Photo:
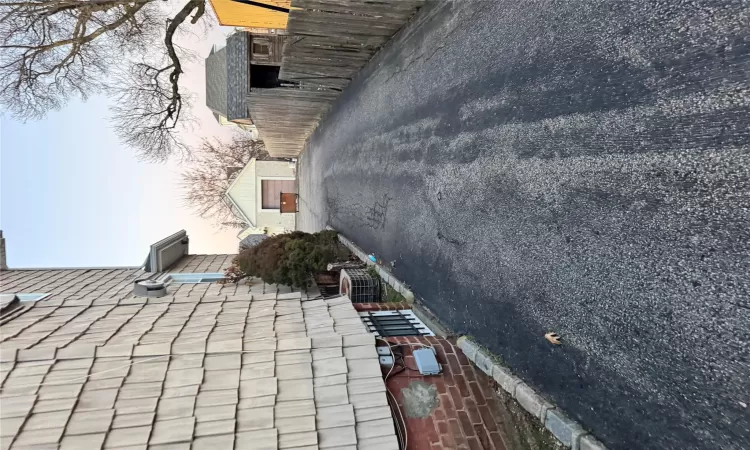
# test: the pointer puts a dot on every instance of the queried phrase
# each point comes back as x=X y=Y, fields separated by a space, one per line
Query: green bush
x=290 y=258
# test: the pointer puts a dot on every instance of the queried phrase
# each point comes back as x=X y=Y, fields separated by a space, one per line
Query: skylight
x=30 y=297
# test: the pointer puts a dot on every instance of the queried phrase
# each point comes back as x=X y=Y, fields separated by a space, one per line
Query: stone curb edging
x=569 y=432
x=386 y=276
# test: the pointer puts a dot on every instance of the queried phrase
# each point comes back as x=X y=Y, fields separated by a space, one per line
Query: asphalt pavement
x=573 y=166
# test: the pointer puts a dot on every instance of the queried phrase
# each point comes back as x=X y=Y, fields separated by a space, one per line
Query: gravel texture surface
x=573 y=166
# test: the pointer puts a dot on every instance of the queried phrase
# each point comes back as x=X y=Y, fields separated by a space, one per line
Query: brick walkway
x=381 y=306
x=468 y=414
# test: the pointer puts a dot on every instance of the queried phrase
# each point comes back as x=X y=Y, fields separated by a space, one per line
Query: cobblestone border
x=569 y=432
x=419 y=309
x=388 y=277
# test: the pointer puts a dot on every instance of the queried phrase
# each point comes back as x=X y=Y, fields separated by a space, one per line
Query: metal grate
x=328 y=283
x=394 y=323
x=360 y=286
x=328 y=291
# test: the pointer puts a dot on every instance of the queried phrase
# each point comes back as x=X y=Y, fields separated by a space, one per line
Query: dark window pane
x=260 y=49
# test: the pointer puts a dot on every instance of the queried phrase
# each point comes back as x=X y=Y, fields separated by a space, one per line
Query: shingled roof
x=251 y=240
x=216 y=81
x=205 y=367
x=238 y=75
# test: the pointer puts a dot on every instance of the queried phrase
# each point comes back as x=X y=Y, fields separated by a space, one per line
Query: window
x=30 y=297
x=261 y=49
x=195 y=277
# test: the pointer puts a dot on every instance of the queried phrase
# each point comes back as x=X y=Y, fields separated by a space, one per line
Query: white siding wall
x=243 y=191
x=274 y=220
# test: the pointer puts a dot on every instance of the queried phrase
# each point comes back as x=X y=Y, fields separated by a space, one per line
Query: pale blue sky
x=72 y=195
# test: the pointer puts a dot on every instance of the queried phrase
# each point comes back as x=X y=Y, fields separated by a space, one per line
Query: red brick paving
x=474 y=444
x=381 y=306
x=471 y=408
x=468 y=414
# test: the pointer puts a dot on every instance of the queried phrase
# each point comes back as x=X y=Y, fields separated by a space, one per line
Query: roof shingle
x=238 y=75
x=251 y=370
x=216 y=81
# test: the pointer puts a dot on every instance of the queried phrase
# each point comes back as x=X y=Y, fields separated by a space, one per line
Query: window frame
x=31 y=296
x=261 y=45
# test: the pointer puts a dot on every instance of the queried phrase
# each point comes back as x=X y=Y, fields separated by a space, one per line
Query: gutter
x=263 y=5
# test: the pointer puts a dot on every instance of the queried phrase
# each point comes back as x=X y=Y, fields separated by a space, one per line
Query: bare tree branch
x=53 y=50
x=210 y=172
x=152 y=127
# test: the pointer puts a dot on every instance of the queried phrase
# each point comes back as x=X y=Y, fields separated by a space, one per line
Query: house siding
x=242 y=192
x=273 y=169
x=273 y=220
x=246 y=193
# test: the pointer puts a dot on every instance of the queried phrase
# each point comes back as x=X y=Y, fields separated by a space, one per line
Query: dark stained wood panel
x=288 y=202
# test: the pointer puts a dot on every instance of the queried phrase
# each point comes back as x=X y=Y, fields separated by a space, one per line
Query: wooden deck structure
x=329 y=42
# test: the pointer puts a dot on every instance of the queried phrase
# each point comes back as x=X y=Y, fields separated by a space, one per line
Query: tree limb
x=206 y=179
x=51 y=50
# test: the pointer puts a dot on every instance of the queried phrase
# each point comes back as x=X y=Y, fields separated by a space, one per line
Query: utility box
x=359 y=285
x=426 y=361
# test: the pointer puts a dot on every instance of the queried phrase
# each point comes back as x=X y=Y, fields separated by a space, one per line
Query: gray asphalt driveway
x=579 y=166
